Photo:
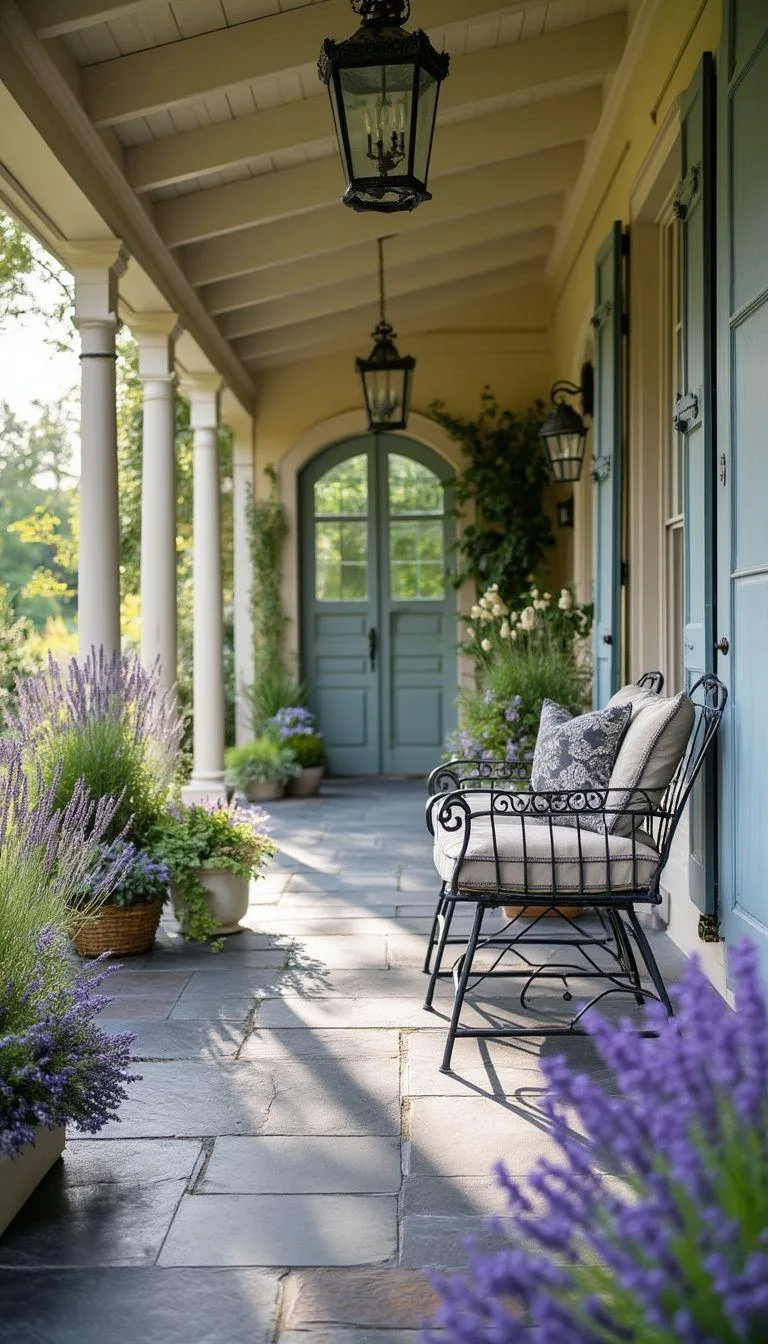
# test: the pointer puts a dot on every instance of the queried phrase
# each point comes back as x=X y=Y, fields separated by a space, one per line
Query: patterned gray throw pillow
x=578 y=754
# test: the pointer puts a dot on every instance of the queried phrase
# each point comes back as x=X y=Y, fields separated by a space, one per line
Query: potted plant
x=56 y=1067
x=212 y=850
x=126 y=923
x=295 y=727
x=260 y=768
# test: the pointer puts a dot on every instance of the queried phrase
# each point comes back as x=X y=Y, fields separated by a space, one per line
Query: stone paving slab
x=465 y=1136
x=139 y=1306
x=328 y=1096
x=452 y=1196
x=341 y=953
x=303 y=1165
x=273 y=1230
x=182 y=1040
x=184 y=1098
x=334 y=1335
x=385 y=1299
x=301 y=1043
x=441 y=1243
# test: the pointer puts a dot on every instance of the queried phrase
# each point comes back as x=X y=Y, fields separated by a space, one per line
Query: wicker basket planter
x=123 y=931
x=307 y=784
x=21 y=1175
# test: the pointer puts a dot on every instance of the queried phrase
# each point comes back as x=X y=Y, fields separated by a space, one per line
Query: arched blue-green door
x=378 y=616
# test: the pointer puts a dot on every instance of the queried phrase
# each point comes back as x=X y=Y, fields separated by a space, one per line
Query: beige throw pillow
x=652 y=748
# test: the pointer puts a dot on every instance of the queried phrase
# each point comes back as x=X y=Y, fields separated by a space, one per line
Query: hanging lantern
x=384 y=85
x=564 y=434
x=386 y=375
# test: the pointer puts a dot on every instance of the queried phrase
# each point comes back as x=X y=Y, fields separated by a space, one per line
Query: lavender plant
x=296 y=729
x=48 y=857
x=680 y=1254
x=102 y=721
x=56 y=1066
x=143 y=878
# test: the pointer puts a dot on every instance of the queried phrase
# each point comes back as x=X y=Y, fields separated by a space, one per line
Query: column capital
x=96 y=265
x=202 y=391
x=155 y=335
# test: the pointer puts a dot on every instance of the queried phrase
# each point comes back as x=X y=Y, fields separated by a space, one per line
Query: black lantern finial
x=386 y=375
x=384 y=85
x=564 y=433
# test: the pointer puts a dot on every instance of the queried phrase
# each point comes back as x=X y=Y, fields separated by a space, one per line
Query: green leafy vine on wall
x=267 y=533
x=504 y=475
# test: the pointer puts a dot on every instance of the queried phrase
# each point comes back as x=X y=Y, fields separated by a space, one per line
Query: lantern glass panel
x=385 y=391
x=426 y=112
x=565 y=453
x=378 y=104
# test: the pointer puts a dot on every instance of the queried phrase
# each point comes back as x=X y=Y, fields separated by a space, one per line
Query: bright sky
x=31 y=367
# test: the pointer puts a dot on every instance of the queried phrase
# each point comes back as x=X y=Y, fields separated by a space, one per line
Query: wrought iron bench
x=499 y=844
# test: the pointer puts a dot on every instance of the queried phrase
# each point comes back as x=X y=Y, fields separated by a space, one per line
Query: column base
x=204 y=788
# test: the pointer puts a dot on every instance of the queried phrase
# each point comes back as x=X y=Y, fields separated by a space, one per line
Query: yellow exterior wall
x=678 y=34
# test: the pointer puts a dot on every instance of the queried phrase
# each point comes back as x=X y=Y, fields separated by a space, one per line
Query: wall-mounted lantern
x=564 y=512
x=564 y=434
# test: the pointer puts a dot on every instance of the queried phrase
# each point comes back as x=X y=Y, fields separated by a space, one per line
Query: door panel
x=695 y=421
x=376 y=537
x=742 y=615
x=607 y=465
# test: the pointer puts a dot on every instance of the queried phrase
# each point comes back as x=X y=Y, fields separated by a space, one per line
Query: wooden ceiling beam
x=351 y=263
x=401 y=281
x=353 y=327
x=329 y=230
x=492 y=139
x=56 y=18
x=589 y=50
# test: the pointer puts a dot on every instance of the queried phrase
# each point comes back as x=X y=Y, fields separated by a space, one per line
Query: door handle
x=722 y=645
x=373 y=644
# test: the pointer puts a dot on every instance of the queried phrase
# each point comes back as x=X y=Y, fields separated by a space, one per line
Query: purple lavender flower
x=293 y=721
x=489 y=696
x=678 y=1254
x=56 y=1066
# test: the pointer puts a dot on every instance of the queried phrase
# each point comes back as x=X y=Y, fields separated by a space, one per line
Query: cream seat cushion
x=584 y=861
x=651 y=750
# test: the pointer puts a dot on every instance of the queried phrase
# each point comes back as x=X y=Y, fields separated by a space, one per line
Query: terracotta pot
x=123 y=931
x=227 y=898
x=21 y=1175
x=264 y=790
x=307 y=784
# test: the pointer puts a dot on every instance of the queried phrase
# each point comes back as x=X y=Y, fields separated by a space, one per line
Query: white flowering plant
x=534 y=649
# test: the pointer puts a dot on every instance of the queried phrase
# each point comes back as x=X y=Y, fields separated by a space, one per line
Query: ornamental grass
x=672 y=1246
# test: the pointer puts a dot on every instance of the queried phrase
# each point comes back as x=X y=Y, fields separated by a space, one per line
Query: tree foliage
x=504 y=476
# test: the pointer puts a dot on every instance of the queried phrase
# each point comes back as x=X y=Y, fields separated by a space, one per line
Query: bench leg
x=627 y=956
x=646 y=952
x=447 y=913
x=461 y=988
x=433 y=930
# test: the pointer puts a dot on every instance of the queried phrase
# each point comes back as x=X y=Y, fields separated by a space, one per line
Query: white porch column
x=154 y=334
x=242 y=484
x=96 y=268
x=208 y=644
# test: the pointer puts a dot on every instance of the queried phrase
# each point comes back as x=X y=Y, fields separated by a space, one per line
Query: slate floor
x=291 y=1158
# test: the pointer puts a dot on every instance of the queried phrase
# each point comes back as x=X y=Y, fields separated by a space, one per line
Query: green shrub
x=273 y=688
x=308 y=749
x=260 y=759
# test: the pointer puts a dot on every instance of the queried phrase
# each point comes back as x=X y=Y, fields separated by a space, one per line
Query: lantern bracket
x=382 y=13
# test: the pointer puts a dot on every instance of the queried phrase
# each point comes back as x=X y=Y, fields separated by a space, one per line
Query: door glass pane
x=416 y=531
x=341 y=532
x=343 y=489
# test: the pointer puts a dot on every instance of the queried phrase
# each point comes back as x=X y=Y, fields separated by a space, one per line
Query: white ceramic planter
x=227 y=898
x=21 y=1175
x=307 y=783
x=264 y=790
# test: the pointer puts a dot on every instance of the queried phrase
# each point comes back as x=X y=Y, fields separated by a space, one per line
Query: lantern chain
x=383 y=11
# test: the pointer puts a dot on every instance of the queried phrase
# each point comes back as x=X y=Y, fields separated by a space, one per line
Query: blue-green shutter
x=695 y=420
x=607 y=321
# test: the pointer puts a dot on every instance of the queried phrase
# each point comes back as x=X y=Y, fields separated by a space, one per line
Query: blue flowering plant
x=671 y=1247
x=296 y=729
x=56 y=1067
x=143 y=878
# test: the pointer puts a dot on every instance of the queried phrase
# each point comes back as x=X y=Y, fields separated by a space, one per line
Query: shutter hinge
x=601 y=314
x=624 y=573
x=688 y=410
x=687 y=192
x=723 y=469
